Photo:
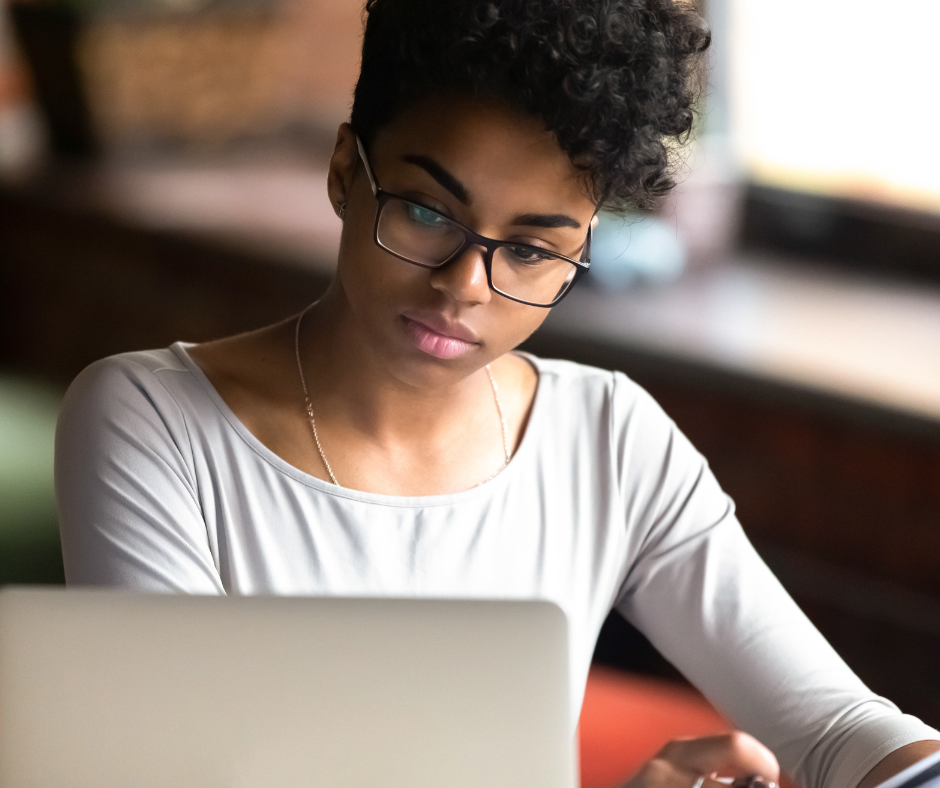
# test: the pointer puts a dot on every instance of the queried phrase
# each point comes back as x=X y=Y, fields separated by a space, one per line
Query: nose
x=464 y=277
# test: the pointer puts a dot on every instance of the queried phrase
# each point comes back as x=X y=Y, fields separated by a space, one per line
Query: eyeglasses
x=520 y=272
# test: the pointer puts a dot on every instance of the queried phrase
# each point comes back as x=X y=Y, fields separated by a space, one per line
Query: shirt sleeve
x=698 y=590
x=129 y=510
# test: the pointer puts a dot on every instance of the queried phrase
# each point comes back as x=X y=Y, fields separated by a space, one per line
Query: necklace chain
x=303 y=383
x=313 y=423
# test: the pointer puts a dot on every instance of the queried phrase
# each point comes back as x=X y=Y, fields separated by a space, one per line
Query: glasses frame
x=471 y=238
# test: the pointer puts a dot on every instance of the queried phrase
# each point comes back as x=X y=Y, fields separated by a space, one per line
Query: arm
x=702 y=595
x=126 y=488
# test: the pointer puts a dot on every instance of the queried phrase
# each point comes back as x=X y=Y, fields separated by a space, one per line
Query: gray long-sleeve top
x=605 y=504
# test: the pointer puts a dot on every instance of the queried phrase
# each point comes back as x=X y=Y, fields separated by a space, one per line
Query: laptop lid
x=112 y=689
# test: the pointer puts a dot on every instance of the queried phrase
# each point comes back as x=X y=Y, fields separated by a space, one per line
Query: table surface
x=828 y=330
x=820 y=329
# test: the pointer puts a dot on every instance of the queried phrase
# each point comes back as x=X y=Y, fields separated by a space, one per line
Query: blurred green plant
x=30 y=551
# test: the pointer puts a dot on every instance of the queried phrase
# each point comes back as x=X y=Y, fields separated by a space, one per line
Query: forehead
x=503 y=157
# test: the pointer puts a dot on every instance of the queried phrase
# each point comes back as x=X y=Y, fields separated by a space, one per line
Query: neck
x=349 y=382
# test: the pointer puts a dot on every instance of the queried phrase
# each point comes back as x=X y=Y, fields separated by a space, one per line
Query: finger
x=754 y=781
x=734 y=754
x=662 y=773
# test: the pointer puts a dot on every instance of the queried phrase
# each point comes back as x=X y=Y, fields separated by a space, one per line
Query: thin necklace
x=313 y=423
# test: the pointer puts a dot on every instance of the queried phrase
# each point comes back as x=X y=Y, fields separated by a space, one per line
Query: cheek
x=513 y=323
x=376 y=282
x=360 y=261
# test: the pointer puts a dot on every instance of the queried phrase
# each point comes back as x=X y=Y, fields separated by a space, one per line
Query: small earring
x=341 y=209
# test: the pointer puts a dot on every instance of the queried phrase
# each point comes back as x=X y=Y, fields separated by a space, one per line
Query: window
x=839 y=97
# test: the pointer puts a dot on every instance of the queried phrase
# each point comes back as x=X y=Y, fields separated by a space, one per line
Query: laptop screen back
x=113 y=690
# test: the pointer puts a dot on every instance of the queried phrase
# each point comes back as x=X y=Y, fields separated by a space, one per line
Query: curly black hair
x=616 y=81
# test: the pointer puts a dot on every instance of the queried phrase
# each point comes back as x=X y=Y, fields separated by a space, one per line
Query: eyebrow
x=548 y=220
x=455 y=187
x=442 y=176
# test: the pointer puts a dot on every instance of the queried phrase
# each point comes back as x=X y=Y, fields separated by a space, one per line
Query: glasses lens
x=531 y=274
x=417 y=233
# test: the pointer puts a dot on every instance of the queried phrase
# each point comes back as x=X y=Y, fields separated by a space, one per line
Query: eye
x=527 y=255
x=424 y=217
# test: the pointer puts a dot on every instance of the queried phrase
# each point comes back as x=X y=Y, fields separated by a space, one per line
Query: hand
x=682 y=762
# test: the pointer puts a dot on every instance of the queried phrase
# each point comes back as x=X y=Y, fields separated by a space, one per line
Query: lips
x=439 y=324
x=439 y=337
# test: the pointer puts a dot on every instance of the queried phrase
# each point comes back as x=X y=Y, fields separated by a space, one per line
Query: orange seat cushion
x=626 y=719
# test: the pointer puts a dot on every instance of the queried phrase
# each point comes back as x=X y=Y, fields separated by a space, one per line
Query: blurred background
x=162 y=177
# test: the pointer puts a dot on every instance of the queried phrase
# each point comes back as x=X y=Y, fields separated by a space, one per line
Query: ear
x=594 y=221
x=343 y=165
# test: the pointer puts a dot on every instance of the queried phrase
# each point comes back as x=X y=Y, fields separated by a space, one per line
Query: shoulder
x=121 y=393
x=663 y=481
x=609 y=409
x=570 y=383
x=141 y=371
x=140 y=366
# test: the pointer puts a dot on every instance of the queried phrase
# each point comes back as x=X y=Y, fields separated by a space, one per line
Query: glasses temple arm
x=586 y=252
x=362 y=155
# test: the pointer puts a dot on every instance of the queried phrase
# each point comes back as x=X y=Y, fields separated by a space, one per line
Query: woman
x=390 y=441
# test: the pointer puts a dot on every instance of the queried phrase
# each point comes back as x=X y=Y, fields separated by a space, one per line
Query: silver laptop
x=104 y=689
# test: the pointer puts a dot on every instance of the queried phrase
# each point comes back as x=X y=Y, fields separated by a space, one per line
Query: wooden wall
x=76 y=286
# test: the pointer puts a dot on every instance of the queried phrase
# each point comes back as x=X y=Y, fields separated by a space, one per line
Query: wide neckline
x=181 y=350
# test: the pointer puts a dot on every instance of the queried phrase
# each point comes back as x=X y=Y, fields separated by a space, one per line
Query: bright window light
x=839 y=97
